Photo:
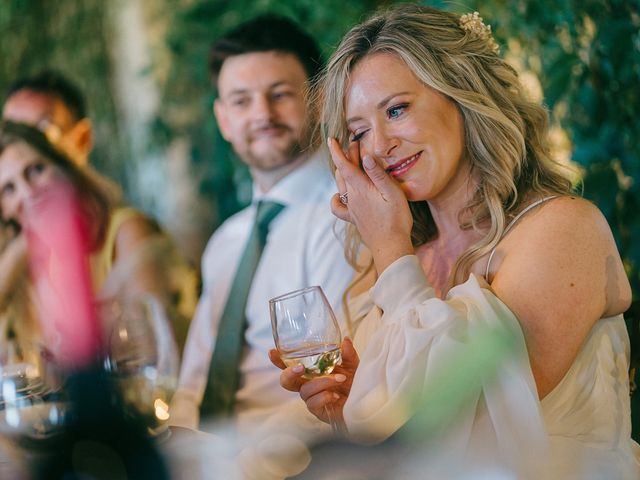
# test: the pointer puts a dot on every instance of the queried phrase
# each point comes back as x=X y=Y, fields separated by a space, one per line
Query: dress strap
x=511 y=224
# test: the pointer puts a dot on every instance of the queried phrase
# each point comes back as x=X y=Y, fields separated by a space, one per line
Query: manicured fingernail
x=368 y=162
x=336 y=396
x=340 y=377
x=328 y=141
x=297 y=368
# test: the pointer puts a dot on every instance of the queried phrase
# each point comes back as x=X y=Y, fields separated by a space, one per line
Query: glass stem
x=337 y=426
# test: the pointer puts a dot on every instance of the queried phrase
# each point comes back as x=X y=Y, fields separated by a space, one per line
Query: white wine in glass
x=306 y=333
x=317 y=359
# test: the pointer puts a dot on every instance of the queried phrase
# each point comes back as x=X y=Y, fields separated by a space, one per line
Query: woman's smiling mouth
x=403 y=166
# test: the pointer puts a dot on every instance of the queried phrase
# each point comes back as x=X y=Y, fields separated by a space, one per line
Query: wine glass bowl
x=33 y=408
x=305 y=331
x=142 y=359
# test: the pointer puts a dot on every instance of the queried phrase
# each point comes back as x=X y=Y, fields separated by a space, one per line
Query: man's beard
x=276 y=157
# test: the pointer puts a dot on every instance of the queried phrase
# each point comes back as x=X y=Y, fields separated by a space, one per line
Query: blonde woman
x=443 y=171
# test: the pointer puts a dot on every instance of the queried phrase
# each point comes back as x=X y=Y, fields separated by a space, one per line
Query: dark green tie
x=224 y=373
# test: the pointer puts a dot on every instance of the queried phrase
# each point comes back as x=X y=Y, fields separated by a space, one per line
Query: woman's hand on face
x=320 y=392
x=376 y=205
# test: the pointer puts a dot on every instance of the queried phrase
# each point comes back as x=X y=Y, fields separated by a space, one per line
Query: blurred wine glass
x=142 y=358
x=306 y=332
x=33 y=407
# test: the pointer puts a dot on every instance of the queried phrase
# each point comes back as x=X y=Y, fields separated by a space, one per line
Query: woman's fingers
x=291 y=378
x=319 y=403
x=380 y=178
x=350 y=358
x=339 y=200
x=362 y=177
x=320 y=393
x=353 y=153
x=341 y=379
x=339 y=209
x=338 y=206
x=350 y=172
x=340 y=183
x=320 y=384
x=274 y=356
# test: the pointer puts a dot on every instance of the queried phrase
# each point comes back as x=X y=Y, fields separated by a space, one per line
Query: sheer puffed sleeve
x=415 y=338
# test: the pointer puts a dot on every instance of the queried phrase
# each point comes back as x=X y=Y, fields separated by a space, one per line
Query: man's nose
x=262 y=108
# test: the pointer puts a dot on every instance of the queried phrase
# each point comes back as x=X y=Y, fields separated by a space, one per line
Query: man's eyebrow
x=237 y=91
x=244 y=91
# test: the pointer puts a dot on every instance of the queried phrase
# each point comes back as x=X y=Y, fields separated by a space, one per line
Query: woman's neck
x=449 y=212
x=449 y=209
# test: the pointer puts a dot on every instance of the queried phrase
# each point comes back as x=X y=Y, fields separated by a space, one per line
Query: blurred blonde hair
x=18 y=322
x=504 y=132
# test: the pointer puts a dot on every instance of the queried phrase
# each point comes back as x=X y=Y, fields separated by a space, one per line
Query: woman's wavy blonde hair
x=505 y=133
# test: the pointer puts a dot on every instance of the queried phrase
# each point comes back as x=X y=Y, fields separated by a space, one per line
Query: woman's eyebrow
x=380 y=105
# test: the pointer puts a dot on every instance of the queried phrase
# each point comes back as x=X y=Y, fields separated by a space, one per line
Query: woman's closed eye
x=356 y=136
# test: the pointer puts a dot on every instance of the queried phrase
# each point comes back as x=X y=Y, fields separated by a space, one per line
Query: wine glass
x=306 y=333
x=33 y=408
x=142 y=358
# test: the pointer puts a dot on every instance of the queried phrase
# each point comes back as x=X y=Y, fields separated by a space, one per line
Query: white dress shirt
x=302 y=249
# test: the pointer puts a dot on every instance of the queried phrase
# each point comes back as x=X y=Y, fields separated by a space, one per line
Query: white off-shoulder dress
x=407 y=339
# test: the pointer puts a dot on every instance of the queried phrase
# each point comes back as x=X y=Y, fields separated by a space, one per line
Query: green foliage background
x=71 y=36
x=585 y=52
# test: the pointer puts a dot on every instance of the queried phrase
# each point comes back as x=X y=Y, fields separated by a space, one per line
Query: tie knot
x=267 y=211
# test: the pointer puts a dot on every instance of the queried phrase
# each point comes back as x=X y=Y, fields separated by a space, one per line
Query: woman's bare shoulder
x=565 y=248
x=565 y=222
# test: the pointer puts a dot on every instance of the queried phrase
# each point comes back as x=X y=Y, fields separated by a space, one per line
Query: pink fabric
x=58 y=252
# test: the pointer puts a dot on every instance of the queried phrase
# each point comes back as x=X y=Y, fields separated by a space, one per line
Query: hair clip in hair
x=472 y=23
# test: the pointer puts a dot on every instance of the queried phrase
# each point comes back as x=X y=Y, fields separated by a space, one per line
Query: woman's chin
x=411 y=193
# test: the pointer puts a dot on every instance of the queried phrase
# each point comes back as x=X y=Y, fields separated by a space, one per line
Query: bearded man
x=261 y=71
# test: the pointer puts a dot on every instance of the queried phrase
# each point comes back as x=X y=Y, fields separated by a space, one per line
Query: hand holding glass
x=306 y=333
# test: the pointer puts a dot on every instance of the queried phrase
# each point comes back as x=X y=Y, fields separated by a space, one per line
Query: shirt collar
x=297 y=185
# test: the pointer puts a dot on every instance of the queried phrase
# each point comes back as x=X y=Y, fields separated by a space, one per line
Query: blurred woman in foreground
x=121 y=240
x=443 y=169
